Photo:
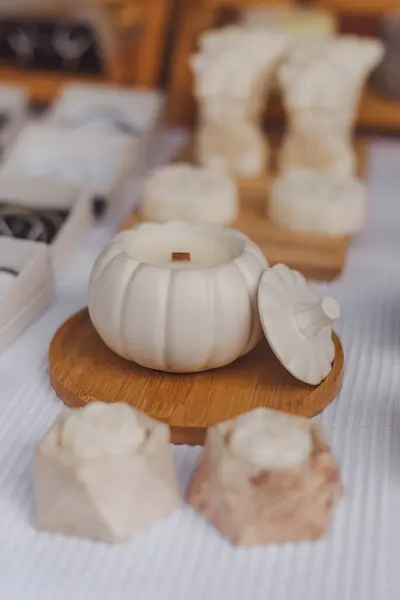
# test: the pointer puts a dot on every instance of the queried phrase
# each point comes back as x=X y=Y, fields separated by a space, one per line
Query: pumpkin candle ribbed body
x=181 y=316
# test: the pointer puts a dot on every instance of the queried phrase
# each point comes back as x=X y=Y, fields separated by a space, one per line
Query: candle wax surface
x=206 y=250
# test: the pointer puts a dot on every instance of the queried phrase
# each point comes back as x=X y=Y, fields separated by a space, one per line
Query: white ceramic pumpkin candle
x=189 y=314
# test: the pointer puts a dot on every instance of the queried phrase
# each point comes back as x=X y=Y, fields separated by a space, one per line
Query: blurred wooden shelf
x=370 y=7
x=130 y=35
x=379 y=112
x=196 y=16
x=44 y=86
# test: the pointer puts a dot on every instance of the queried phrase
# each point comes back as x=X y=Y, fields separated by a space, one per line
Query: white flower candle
x=272 y=440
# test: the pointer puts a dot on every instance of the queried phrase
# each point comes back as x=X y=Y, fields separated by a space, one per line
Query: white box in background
x=53 y=194
x=110 y=109
x=14 y=101
x=31 y=291
x=107 y=109
x=101 y=163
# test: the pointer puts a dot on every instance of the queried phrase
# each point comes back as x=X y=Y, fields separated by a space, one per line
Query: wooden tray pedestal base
x=83 y=370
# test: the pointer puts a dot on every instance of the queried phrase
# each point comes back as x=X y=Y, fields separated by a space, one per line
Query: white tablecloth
x=181 y=557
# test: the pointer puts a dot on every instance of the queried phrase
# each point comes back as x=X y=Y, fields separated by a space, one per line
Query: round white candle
x=182 y=316
x=190 y=193
x=308 y=200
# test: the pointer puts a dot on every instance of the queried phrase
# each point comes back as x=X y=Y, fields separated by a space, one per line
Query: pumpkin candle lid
x=297 y=323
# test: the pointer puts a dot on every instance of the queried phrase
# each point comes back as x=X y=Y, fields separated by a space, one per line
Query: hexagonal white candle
x=104 y=472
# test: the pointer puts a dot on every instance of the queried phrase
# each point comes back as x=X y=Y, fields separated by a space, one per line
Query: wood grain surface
x=83 y=369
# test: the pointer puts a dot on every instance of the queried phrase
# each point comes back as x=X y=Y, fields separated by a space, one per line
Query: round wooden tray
x=83 y=369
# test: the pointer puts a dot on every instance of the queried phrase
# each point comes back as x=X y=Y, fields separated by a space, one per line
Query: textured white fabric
x=182 y=558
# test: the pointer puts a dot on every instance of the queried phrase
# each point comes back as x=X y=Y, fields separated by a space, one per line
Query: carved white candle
x=321 y=82
x=232 y=73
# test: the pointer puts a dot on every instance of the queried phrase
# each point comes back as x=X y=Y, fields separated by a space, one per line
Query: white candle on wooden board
x=190 y=193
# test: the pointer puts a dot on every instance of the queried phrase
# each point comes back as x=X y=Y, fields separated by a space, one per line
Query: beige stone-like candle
x=104 y=472
x=265 y=478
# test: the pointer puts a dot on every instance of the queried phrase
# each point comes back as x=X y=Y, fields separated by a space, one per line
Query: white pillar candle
x=322 y=81
x=233 y=70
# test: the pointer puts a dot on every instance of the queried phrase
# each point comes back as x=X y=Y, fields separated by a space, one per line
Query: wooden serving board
x=318 y=257
x=83 y=369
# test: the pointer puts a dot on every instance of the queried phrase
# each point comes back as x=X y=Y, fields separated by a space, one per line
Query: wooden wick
x=181 y=256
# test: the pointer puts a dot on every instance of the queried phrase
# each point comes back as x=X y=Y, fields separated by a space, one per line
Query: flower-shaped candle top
x=191 y=193
x=310 y=200
x=270 y=440
x=100 y=430
x=297 y=323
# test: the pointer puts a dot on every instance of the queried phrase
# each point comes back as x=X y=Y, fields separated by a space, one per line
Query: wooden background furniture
x=196 y=16
x=139 y=27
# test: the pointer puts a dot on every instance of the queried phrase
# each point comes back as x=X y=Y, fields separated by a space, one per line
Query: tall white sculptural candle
x=322 y=82
x=232 y=71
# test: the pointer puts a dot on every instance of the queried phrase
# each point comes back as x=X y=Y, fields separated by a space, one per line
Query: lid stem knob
x=311 y=318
